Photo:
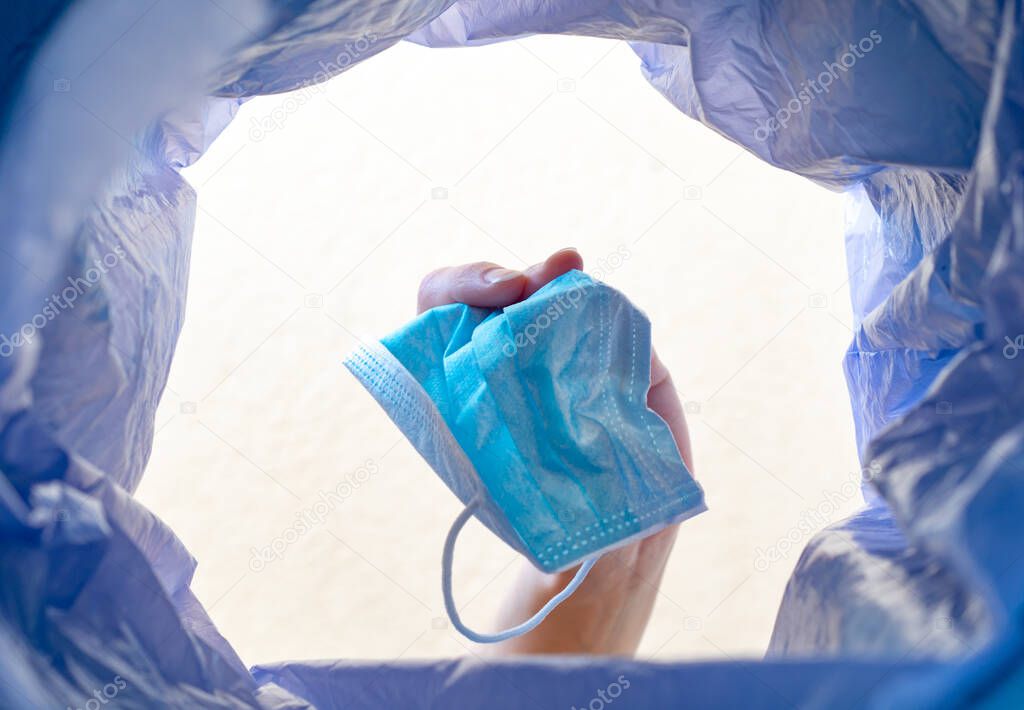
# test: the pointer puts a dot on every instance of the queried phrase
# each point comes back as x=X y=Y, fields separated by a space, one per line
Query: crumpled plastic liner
x=915 y=601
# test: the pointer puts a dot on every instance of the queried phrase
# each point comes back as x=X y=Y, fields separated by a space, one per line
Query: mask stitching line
x=613 y=410
x=635 y=520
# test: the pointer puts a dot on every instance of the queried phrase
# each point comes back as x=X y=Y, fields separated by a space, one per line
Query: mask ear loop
x=447 y=560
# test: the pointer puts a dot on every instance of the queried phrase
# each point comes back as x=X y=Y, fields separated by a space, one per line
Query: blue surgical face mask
x=536 y=417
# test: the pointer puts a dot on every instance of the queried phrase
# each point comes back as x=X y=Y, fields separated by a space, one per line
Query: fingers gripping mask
x=536 y=417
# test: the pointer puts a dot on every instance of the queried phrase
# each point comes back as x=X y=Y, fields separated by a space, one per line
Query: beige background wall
x=320 y=211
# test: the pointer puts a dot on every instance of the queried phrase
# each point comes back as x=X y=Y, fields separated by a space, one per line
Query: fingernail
x=563 y=252
x=499 y=275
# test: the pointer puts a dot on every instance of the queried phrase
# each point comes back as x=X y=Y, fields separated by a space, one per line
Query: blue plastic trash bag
x=914 y=109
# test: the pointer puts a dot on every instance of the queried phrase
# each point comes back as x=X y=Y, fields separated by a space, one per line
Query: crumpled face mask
x=536 y=417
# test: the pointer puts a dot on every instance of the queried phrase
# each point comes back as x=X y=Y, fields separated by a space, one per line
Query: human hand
x=609 y=612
